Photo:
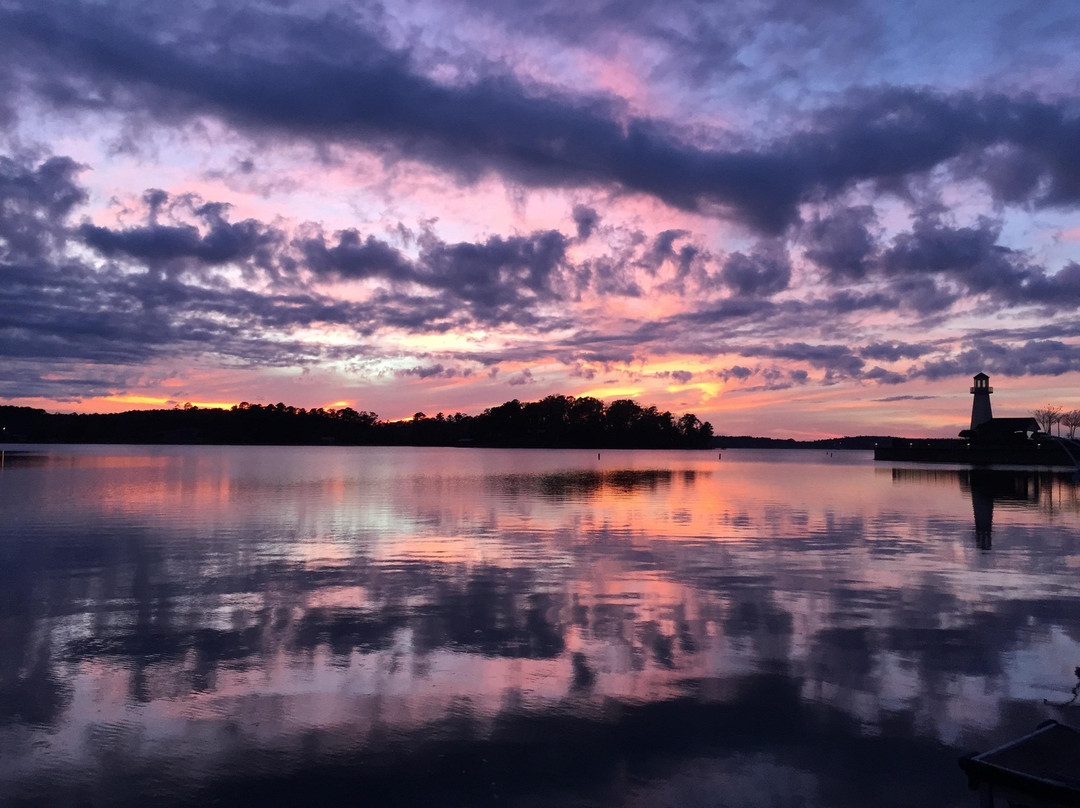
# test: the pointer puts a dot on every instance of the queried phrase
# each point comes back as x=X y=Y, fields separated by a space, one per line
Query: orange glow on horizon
x=610 y=393
x=708 y=390
x=156 y=401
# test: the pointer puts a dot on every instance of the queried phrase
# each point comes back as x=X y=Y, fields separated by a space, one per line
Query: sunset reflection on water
x=469 y=626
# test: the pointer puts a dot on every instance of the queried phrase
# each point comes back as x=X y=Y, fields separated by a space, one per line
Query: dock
x=1039 y=770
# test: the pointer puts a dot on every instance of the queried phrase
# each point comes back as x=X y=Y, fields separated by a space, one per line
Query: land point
x=987 y=441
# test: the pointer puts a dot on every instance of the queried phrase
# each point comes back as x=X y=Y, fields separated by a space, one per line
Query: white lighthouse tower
x=980 y=405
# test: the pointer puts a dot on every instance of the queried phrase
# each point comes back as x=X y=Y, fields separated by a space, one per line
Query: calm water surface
x=220 y=625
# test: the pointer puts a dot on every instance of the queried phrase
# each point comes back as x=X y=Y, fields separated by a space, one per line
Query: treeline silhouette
x=555 y=421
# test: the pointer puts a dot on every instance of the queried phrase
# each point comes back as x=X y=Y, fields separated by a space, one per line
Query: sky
x=793 y=219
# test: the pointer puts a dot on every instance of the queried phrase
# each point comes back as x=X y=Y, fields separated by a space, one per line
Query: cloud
x=734 y=372
x=838 y=359
x=764 y=272
x=893 y=351
x=497 y=272
x=701 y=44
x=883 y=376
x=64 y=309
x=973 y=257
x=37 y=199
x=931 y=267
x=662 y=249
x=842 y=242
x=355 y=257
x=612 y=276
x=495 y=281
x=437 y=371
x=1032 y=358
x=846 y=301
x=498 y=278
x=128 y=295
x=586 y=219
x=330 y=78
x=777 y=379
x=223 y=243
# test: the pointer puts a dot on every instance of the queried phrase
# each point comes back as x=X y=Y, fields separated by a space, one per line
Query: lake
x=457 y=627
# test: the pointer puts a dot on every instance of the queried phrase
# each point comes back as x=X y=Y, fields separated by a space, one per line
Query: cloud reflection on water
x=471 y=626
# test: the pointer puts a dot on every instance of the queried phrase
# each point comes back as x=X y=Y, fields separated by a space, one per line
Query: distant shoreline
x=554 y=423
x=15 y=447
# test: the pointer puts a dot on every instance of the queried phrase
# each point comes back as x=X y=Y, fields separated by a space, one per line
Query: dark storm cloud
x=893 y=132
x=611 y=276
x=23 y=379
x=495 y=281
x=970 y=253
x=734 y=372
x=419 y=313
x=328 y=78
x=773 y=379
x=893 y=351
x=883 y=376
x=500 y=273
x=72 y=312
x=842 y=243
x=1062 y=329
x=586 y=219
x=1032 y=358
x=725 y=311
x=764 y=272
x=701 y=42
x=500 y=280
x=835 y=358
x=1060 y=289
x=846 y=301
x=319 y=85
x=61 y=309
x=355 y=257
x=925 y=296
x=35 y=201
x=117 y=309
x=497 y=272
x=662 y=249
x=524 y=377
x=679 y=376
x=972 y=256
x=684 y=260
x=437 y=371
x=932 y=266
x=223 y=243
x=1012 y=173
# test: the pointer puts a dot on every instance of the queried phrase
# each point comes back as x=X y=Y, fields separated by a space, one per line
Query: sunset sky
x=791 y=218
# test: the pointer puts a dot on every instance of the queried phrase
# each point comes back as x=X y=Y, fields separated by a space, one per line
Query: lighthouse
x=980 y=405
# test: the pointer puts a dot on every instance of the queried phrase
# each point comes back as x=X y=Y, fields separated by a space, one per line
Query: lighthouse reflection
x=988 y=485
x=1008 y=488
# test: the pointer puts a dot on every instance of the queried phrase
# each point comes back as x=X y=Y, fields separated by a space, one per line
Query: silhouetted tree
x=1070 y=420
x=1047 y=416
x=553 y=421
